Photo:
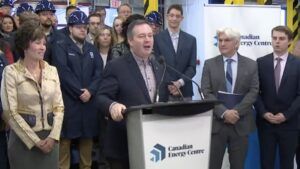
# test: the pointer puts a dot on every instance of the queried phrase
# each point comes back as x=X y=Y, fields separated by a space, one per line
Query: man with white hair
x=235 y=76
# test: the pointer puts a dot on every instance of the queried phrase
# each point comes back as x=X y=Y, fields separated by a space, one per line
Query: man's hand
x=270 y=117
x=174 y=87
x=280 y=118
x=231 y=116
x=116 y=111
x=85 y=96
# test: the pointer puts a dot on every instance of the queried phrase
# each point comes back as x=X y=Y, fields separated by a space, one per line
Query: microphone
x=162 y=61
x=160 y=83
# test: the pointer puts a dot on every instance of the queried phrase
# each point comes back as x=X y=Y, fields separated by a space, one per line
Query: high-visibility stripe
x=236 y=2
x=150 y=5
x=293 y=20
x=73 y=2
x=264 y=2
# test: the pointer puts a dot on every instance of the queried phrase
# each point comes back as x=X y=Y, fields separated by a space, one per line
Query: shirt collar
x=234 y=57
x=173 y=34
x=283 y=57
x=139 y=60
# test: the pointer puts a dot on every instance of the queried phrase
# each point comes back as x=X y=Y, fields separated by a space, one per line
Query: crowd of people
x=71 y=86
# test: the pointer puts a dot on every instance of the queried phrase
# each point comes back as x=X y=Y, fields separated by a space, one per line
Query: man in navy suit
x=179 y=50
x=128 y=81
x=278 y=102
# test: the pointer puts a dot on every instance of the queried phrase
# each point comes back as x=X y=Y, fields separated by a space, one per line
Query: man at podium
x=128 y=81
x=233 y=79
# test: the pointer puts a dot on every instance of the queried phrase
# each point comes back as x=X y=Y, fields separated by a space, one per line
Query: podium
x=172 y=135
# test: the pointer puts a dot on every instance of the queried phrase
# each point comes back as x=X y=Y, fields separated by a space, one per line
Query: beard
x=47 y=23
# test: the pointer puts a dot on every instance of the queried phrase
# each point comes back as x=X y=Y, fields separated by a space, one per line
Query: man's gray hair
x=231 y=33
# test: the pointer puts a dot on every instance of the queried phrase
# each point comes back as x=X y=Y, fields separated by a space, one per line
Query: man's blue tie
x=229 y=75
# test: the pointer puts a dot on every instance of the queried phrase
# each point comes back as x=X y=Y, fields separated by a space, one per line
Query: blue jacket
x=78 y=70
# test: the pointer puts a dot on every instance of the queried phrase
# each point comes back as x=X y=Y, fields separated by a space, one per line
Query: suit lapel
x=168 y=41
x=157 y=72
x=240 y=70
x=220 y=72
x=269 y=67
x=286 y=71
x=181 y=41
x=136 y=73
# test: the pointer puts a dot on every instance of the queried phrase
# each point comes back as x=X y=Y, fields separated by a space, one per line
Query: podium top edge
x=172 y=104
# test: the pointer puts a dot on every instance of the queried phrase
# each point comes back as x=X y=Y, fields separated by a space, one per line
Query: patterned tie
x=229 y=75
x=277 y=71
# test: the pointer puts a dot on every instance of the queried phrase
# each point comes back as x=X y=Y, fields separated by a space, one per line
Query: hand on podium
x=116 y=111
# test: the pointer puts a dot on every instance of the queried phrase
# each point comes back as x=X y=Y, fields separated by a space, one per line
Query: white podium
x=170 y=135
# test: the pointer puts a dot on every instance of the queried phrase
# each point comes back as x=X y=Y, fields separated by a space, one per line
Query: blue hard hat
x=44 y=5
x=24 y=7
x=7 y=3
x=77 y=17
x=154 y=17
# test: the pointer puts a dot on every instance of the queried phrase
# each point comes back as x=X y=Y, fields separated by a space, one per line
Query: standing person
x=45 y=11
x=154 y=19
x=121 y=49
x=23 y=7
x=6 y=6
x=118 y=36
x=296 y=52
x=3 y=133
x=179 y=50
x=94 y=21
x=8 y=26
x=278 y=103
x=104 y=42
x=128 y=81
x=79 y=66
x=32 y=103
x=102 y=12
x=233 y=73
x=124 y=10
x=69 y=10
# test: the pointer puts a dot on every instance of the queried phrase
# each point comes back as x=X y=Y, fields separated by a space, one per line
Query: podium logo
x=158 y=153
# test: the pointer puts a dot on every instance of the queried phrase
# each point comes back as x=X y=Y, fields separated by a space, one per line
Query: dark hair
x=134 y=24
x=99 y=9
x=13 y=21
x=125 y=24
x=29 y=31
x=178 y=7
x=284 y=29
x=94 y=15
x=125 y=4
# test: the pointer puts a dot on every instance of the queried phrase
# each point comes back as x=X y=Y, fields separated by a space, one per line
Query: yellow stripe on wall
x=293 y=20
x=150 y=5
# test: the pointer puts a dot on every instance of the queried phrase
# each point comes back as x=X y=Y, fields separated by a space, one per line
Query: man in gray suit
x=234 y=74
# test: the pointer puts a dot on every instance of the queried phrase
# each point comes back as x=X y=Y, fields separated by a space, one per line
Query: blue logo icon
x=158 y=153
x=216 y=40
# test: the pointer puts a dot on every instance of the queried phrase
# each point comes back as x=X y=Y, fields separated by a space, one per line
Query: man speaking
x=128 y=81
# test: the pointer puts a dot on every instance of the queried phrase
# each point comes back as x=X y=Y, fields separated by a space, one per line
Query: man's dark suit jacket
x=124 y=83
x=184 y=60
x=286 y=101
x=213 y=80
